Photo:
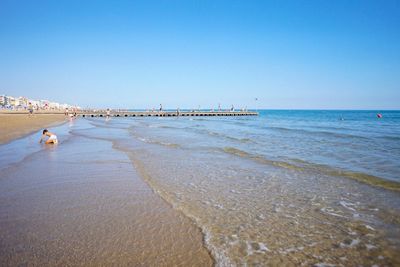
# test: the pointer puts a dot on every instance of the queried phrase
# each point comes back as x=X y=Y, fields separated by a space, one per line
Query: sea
x=284 y=188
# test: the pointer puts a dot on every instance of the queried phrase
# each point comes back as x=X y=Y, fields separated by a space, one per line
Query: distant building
x=54 y=105
x=23 y=101
x=64 y=106
x=10 y=101
x=44 y=104
x=6 y=100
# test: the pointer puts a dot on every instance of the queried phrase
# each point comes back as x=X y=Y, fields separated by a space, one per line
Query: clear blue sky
x=138 y=54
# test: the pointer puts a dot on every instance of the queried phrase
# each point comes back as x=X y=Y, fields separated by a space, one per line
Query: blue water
x=348 y=140
x=353 y=141
x=281 y=188
x=285 y=187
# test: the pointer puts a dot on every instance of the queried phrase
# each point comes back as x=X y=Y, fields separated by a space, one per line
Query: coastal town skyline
x=23 y=103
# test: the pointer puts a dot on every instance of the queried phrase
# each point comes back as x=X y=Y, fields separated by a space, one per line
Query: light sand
x=13 y=126
x=82 y=203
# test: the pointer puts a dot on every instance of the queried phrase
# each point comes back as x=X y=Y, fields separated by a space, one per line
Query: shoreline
x=111 y=211
x=17 y=125
x=139 y=168
x=138 y=165
x=221 y=194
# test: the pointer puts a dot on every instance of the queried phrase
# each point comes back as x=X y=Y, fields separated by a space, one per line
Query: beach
x=14 y=126
x=96 y=211
x=282 y=188
x=200 y=133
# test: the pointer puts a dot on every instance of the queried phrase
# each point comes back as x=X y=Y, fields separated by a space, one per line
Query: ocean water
x=284 y=188
x=342 y=141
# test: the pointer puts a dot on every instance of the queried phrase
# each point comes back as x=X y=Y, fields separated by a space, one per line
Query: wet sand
x=82 y=203
x=14 y=126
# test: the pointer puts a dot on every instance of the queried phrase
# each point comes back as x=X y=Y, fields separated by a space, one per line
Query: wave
x=304 y=131
x=107 y=126
x=195 y=129
x=214 y=134
x=172 y=145
x=217 y=254
x=259 y=158
x=154 y=142
x=320 y=168
x=242 y=140
x=391 y=138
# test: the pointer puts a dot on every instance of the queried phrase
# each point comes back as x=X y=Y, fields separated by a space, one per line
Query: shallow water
x=81 y=203
x=279 y=189
x=282 y=188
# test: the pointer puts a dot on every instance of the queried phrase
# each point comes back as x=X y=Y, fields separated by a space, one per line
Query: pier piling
x=168 y=114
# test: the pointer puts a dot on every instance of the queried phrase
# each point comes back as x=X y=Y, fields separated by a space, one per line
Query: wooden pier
x=168 y=114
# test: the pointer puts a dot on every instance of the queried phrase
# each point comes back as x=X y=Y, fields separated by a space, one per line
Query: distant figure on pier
x=232 y=108
x=177 y=112
x=161 y=107
x=66 y=113
x=108 y=113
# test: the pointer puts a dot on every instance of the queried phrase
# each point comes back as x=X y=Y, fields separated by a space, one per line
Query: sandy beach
x=200 y=133
x=96 y=211
x=14 y=126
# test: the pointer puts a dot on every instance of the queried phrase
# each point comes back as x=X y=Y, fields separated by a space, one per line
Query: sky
x=137 y=54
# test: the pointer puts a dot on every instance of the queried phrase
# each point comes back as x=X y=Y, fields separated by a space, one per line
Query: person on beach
x=30 y=109
x=52 y=137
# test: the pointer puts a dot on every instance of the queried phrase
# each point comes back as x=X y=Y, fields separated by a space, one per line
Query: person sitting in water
x=52 y=137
